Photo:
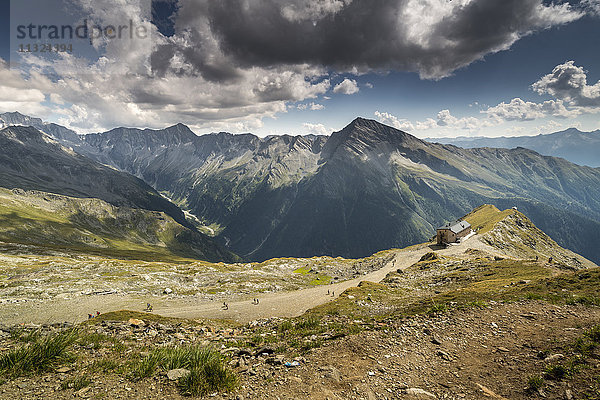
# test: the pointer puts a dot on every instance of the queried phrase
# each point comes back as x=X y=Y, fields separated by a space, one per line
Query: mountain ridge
x=365 y=188
x=571 y=144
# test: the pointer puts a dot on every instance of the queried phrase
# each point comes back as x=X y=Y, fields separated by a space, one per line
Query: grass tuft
x=44 y=353
x=534 y=383
x=208 y=373
x=76 y=383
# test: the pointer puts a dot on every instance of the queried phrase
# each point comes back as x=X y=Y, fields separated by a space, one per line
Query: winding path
x=291 y=304
x=278 y=304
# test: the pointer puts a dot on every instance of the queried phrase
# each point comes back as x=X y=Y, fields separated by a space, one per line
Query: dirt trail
x=279 y=304
x=291 y=304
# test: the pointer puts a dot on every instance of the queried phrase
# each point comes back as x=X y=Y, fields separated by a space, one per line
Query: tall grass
x=42 y=353
x=207 y=374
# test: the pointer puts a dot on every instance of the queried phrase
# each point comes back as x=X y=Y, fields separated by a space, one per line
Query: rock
x=178 y=373
x=82 y=392
x=435 y=341
x=296 y=379
x=168 y=291
x=63 y=370
x=443 y=355
x=554 y=357
x=488 y=393
x=136 y=322
x=503 y=349
x=333 y=373
x=569 y=394
x=277 y=360
x=415 y=393
x=243 y=352
x=264 y=351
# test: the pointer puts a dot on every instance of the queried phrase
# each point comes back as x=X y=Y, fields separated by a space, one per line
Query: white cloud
x=391 y=120
x=428 y=124
x=446 y=119
x=311 y=106
x=347 y=86
x=316 y=129
x=591 y=6
x=568 y=82
x=312 y=9
x=520 y=110
x=369 y=85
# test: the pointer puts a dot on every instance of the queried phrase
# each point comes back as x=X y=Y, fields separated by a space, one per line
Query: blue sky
x=497 y=78
x=468 y=68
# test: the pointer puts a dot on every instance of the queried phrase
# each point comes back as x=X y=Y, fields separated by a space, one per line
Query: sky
x=433 y=68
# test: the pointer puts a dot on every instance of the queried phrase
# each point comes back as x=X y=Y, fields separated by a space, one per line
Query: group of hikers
x=226 y=305
x=90 y=316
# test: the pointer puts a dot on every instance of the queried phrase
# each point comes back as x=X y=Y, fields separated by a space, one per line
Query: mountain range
x=581 y=148
x=365 y=188
x=34 y=164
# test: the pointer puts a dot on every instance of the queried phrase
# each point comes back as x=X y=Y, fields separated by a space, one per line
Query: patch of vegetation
x=76 y=383
x=126 y=315
x=484 y=218
x=535 y=383
x=555 y=372
x=208 y=372
x=106 y=365
x=43 y=354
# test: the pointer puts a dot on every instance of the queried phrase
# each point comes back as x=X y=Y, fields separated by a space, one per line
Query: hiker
x=550 y=260
x=90 y=316
x=97 y=313
x=537 y=258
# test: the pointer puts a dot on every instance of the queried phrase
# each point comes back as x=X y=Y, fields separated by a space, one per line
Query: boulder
x=176 y=374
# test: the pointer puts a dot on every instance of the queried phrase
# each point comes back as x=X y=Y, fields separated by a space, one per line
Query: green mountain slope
x=50 y=222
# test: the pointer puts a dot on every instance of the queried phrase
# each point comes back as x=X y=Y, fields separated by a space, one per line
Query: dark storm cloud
x=365 y=34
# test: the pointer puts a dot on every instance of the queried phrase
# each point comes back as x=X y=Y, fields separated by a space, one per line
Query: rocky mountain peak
x=16 y=118
x=362 y=135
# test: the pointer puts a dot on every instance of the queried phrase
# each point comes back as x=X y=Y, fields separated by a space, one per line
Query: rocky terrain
x=483 y=319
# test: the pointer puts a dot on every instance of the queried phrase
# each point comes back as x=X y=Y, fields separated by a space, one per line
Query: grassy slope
x=436 y=284
x=92 y=226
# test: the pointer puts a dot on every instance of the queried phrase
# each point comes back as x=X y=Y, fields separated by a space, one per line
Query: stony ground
x=475 y=353
x=466 y=322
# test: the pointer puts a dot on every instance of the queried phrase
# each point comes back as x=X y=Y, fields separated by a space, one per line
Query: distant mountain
x=31 y=160
x=581 y=148
x=367 y=187
x=57 y=131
